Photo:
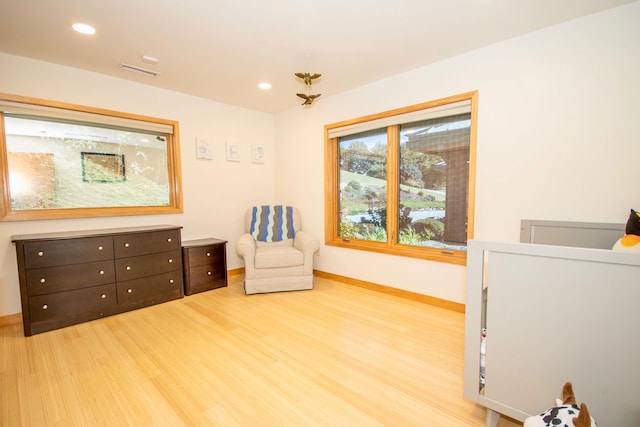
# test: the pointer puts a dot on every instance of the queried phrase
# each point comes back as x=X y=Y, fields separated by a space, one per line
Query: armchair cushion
x=278 y=256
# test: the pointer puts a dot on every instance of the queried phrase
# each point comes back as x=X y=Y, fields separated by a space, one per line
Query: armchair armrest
x=246 y=248
x=308 y=245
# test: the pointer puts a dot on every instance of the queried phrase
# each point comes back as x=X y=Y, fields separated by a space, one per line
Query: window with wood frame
x=402 y=182
x=60 y=160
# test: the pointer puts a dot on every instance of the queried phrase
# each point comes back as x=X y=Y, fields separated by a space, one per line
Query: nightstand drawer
x=205 y=277
x=205 y=255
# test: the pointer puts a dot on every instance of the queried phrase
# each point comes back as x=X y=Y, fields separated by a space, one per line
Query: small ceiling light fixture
x=308 y=78
x=264 y=85
x=150 y=59
x=83 y=28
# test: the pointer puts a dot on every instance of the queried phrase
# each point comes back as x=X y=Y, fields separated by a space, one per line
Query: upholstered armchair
x=277 y=253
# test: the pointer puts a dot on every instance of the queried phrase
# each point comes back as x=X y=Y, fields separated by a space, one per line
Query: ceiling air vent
x=138 y=70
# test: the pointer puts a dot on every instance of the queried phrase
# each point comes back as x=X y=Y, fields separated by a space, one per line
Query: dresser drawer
x=71 y=303
x=48 y=253
x=146 y=243
x=66 y=277
x=145 y=265
x=151 y=289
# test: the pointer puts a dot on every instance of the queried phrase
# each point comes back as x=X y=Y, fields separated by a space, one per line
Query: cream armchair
x=277 y=253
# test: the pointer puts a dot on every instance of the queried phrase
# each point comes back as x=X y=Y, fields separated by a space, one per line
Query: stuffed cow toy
x=566 y=413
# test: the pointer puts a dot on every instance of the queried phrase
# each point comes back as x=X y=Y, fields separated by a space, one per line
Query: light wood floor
x=338 y=355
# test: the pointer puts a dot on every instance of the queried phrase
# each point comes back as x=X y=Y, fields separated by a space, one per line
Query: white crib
x=554 y=314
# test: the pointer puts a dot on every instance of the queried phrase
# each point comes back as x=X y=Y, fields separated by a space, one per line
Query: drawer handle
x=101 y=272
x=40 y=253
x=128 y=267
x=103 y=296
x=129 y=290
x=209 y=273
x=126 y=245
x=43 y=280
x=170 y=280
x=44 y=307
x=100 y=248
x=170 y=260
x=169 y=240
x=208 y=253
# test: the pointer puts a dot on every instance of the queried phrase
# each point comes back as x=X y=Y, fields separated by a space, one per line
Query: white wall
x=557 y=139
x=215 y=192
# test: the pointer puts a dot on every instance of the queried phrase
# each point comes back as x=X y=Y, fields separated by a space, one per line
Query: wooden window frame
x=332 y=181
x=173 y=165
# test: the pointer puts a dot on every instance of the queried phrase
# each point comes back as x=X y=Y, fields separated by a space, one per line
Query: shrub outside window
x=402 y=182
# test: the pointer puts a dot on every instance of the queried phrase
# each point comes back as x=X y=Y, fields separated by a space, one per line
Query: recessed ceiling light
x=264 y=86
x=83 y=28
x=150 y=59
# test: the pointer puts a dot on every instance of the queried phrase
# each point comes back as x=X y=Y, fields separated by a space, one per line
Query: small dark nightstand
x=205 y=265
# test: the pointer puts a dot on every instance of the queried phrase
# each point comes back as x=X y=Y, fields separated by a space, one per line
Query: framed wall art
x=233 y=152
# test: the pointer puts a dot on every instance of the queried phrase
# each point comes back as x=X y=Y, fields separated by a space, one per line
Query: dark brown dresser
x=73 y=277
x=205 y=265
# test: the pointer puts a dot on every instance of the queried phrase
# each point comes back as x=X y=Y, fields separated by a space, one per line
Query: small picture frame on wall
x=257 y=154
x=103 y=167
x=233 y=152
x=203 y=149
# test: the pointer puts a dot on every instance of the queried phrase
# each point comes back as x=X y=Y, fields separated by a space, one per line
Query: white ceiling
x=222 y=49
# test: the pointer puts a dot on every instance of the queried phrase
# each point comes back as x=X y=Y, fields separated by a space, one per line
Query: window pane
x=434 y=176
x=57 y=165
x=362 y=161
